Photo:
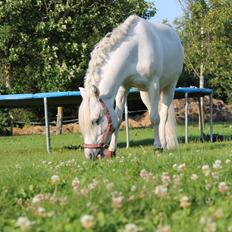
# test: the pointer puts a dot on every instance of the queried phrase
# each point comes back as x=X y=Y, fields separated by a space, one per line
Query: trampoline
x=186 y=93
x=41 y=99
x=74 y=98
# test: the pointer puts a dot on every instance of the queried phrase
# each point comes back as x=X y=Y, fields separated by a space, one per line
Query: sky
x=167 y=9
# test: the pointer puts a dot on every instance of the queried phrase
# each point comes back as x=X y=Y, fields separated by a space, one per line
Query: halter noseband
x=109 y=129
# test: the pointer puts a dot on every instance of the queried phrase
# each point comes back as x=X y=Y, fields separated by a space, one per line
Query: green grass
x=26 y=171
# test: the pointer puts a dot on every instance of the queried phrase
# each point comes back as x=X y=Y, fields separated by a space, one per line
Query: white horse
x=137 y=53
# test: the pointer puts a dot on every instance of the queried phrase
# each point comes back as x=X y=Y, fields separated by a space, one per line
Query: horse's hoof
x=109 y=154
x=158 y=149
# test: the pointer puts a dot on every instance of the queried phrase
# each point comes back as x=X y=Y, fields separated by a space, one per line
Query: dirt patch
x=221 y=112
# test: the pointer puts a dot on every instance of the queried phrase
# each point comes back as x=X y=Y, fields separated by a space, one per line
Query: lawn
x=189 y=189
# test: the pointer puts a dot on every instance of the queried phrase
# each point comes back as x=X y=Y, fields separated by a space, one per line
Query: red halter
x=109 y=129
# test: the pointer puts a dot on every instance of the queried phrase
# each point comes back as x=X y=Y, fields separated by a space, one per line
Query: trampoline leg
x=127 y=125
x=186 y=117
x=201 y=120
x=211 y=117
x=48 y=141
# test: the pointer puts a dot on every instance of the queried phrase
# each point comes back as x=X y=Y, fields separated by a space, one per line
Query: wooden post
x=59 y=119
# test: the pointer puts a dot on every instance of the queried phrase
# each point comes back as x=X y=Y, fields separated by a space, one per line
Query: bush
x=5 y=119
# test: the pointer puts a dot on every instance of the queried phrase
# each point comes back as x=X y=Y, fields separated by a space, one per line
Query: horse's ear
x=94 y=91
x=82 y=91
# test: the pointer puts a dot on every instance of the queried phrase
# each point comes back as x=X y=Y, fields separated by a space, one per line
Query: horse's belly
x=137 y=81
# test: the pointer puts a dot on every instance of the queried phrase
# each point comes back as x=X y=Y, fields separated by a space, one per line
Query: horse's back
x=161 y=34
x=160 y=49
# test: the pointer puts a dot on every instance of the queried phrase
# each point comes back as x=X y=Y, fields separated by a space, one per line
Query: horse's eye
x=98 y=121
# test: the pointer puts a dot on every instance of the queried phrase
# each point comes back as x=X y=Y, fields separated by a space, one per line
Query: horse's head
x=95 y=123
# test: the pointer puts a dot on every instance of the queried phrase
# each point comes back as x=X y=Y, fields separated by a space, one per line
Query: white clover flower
x=19 y=201
x=161 y=190
x=133 y=188
x=203 y=219
x=63 y=200
x=117 y=199
x=93 y=184
x=210 y=227
x=109 y=186
x=208 y=186
x=37 y=199
x=40 y=211
x=131 y=228
x=177 y=180
x=175 y=166
x=87 y=221
x=75 y=184
x=222 y=187
x=166 y=228
x=218 y=213
x=55 y=179
x=215 y=176
x=50 y=214
x=165 y=178
x=143 y=173
x=217 y=164
x=184 y=202
x=24 y=223
x=206 y=170
x=182 y=167
x=194 y=176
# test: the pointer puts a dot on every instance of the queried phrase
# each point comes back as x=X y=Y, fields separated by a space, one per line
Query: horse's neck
x=115 y=71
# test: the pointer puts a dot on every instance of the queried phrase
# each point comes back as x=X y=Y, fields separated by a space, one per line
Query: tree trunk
x=7 y=75
x=202 y=99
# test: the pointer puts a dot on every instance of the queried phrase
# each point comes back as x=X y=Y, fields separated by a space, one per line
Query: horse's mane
x=106 y=44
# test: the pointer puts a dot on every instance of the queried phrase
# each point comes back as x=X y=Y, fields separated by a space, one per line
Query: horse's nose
x=89 y=154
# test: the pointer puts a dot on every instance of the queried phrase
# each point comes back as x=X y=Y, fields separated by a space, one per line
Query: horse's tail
x=170 y=129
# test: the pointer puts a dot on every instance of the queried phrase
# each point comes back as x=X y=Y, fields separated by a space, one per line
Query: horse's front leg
x=151 y=100
x=119 y=108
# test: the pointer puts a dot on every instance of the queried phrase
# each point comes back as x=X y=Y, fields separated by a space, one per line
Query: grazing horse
x=137 y=53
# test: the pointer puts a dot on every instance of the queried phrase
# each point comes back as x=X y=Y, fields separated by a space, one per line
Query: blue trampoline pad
x=74 y=97
x=53 y=98
x=192 y=92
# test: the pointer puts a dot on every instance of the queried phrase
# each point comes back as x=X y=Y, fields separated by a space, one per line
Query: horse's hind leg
x=167 y=118
x=151 y=100
x=119 y=108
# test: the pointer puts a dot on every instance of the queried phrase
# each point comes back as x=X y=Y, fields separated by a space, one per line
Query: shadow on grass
x=206 y=138
x=149 y=142
x=196 y=139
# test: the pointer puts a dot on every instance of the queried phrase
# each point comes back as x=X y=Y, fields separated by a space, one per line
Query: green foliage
x=206 y=34
x=47 y=43
x=26 y=187
x=5 y=120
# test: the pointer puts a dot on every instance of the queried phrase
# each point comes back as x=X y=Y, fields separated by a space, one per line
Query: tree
x=45 y=44
x=205 y=30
